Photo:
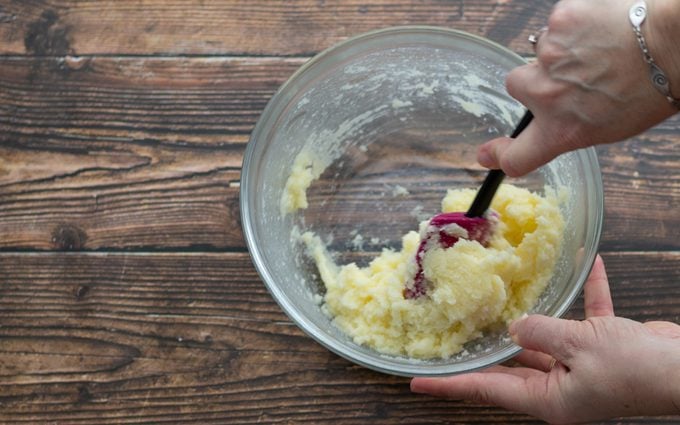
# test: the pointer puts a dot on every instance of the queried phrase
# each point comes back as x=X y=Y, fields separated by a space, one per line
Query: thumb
x=519 y=156
x=559 y=338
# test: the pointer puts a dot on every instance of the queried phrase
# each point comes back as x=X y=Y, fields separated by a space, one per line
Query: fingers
x=547 y=337
x=531 y=148
x=521 y=82
x=487 y=154
x=598 y=299
x=558 y=338
x=534 y=360
x=517 y=157
x=495 y=388
x=542 y=140
x=522 y=372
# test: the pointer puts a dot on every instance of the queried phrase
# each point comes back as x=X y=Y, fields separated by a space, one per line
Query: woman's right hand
x=590 y=84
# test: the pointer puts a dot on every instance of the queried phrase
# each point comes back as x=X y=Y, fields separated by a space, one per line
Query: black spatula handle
x=494 y=178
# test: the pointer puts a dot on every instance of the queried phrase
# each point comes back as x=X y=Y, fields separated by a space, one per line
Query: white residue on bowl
x=474 y=108
x=358 y=242
x=356 y=69
x=418 y=213
x=426 y=90
x=302 y=102
x=471 y=93
x=399 y=190
x=397 y=103
x=473 y=80
x=411 y=88
x=329 y=142
x=367 y=84
x=320 y=150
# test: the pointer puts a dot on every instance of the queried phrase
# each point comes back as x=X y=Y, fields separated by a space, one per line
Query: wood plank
x=206 y=101
x=193 y=206
x=244 y=27
x=127 y=153
x=642 y=190
x=187 y=338
x=89 y=156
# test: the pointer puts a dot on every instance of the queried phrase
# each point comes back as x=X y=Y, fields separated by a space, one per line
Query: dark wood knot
x=67 y=237
x=82 y=291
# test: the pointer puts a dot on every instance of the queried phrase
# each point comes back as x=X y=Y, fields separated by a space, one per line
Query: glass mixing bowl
x=399 y=113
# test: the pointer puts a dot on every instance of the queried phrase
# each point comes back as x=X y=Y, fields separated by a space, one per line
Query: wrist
x=662 y=33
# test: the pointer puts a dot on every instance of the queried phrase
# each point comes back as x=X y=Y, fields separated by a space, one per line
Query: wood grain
x=122 y=130
x=246 y=27
x=132 y=153
x=127 y=153
x=642 y=190
x=188 y=338
x=205 y=101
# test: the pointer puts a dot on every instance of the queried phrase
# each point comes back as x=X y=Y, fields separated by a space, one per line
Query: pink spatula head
x=445 y=229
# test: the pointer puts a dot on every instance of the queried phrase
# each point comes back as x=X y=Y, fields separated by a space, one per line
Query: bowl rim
x=308 y=327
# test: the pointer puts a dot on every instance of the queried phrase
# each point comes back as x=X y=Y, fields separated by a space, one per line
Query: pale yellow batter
x=306 y=168
x=471 y=288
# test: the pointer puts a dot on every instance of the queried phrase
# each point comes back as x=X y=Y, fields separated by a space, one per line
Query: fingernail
x=415 y=386
x=485 y=158
x=512 y=329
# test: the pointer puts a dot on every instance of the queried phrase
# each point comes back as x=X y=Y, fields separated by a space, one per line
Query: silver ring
x=533 y=38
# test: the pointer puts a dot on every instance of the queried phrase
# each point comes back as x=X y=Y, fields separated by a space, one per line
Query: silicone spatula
x=445 y=229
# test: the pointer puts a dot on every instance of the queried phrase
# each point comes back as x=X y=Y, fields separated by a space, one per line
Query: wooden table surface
x=127 y=294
